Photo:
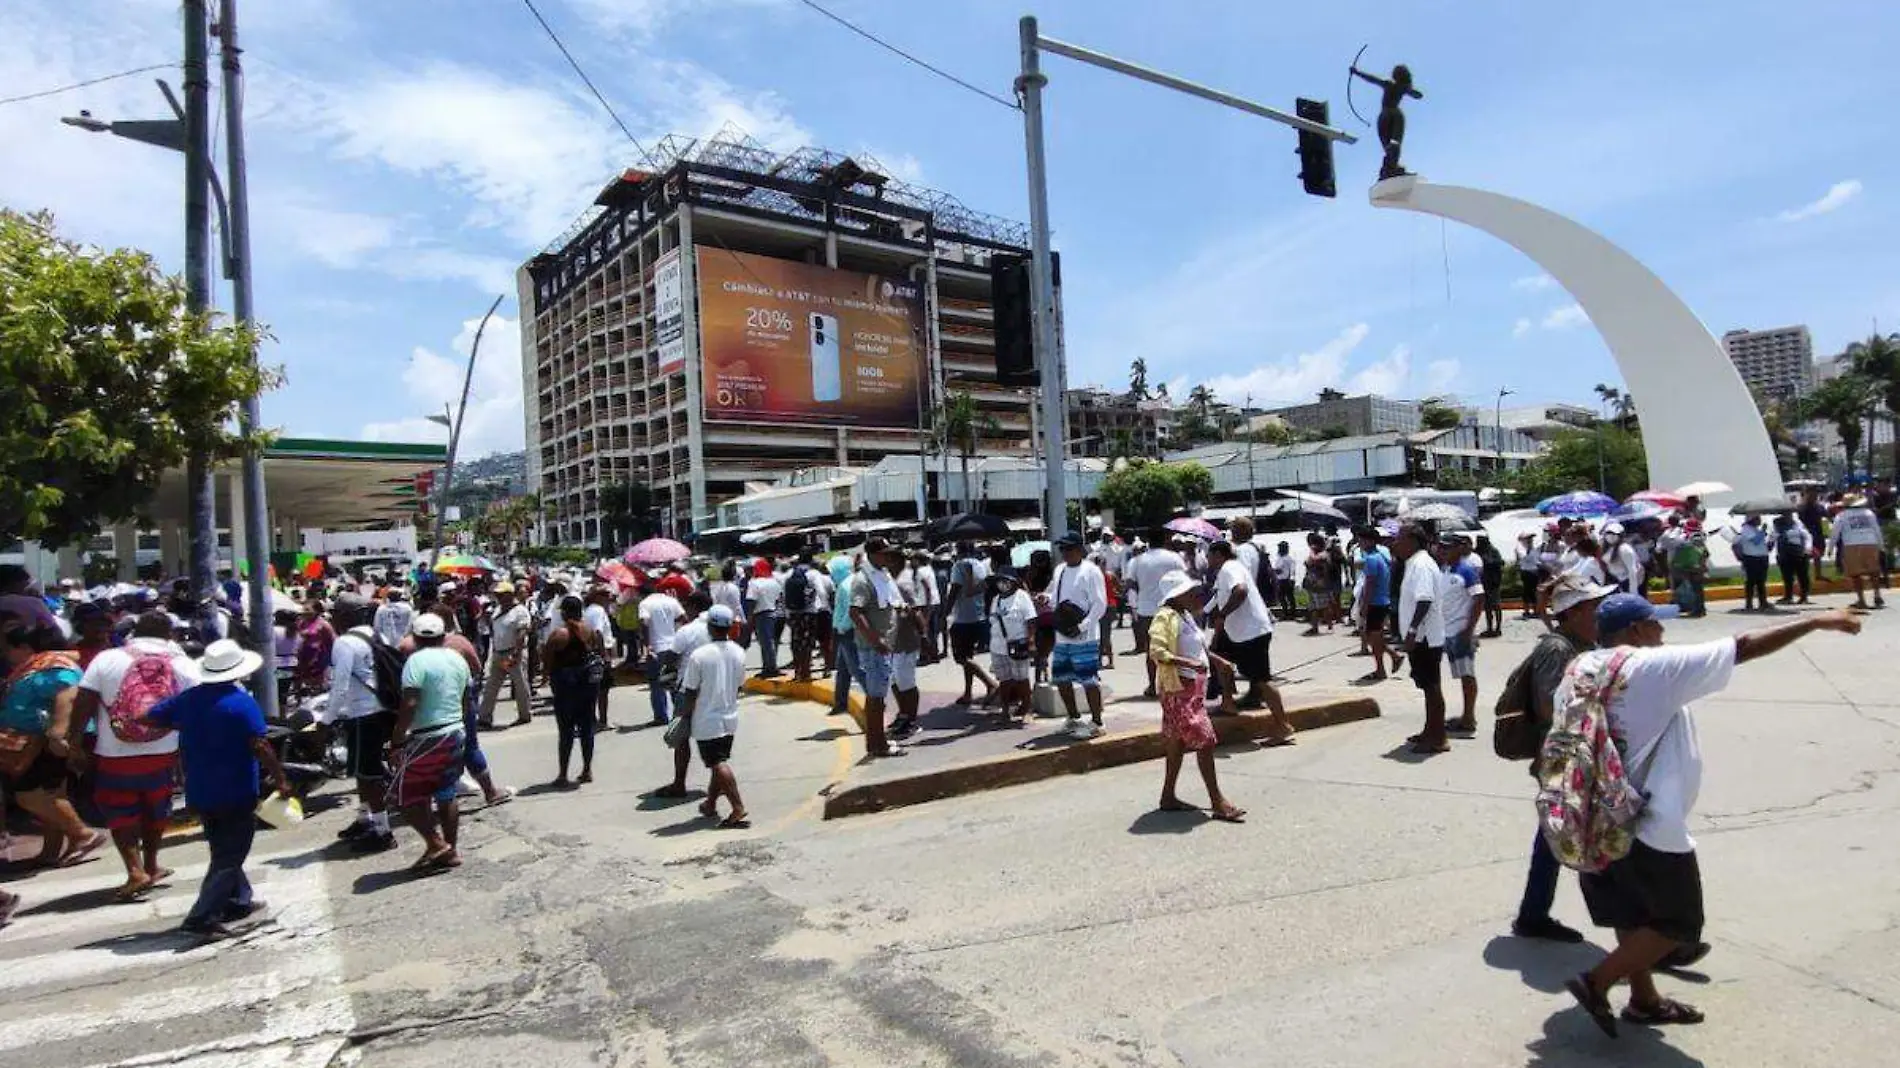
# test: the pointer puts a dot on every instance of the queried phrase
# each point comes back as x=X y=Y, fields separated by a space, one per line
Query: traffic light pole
x=1029 y=86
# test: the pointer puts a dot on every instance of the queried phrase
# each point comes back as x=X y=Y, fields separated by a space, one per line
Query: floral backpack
x=1586 y=805
x=149 y=680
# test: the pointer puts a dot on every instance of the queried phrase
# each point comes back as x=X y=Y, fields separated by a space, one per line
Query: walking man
x=1422 y=634
x=875 y=602
x=969 y=631
x=709 y=681
x=508 y=645
x=1652 y=897
x=1080 y=600
x=1461 y=593
x=766 y=594
x=222 y=734
x=1378 y=593
x=1857 y=546
x=693 y=633
x=1246 y=636
x=427 y=744
x=660 y=614
x=367 y=716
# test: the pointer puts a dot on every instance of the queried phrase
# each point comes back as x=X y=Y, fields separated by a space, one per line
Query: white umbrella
x=1703 y=489
x=279 y=600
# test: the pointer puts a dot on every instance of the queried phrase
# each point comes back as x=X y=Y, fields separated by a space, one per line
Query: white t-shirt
x=353 y=675
x=714 y=672
x=1458 y=587
x=928 y=595
x=1624 y=567
x=1283 y=567
x=1856 y=526
x=727 y=593
x=1587 y=567
x=103 y=677
x=1421 y=587
x=1251 y=619
x=1147 y=571
x=966 y=578
x=820 y=592
x=1084 y=586
x=1249 y=556
x=595 y=616
x=392 y=621
x=1191 y=643
x=690 y=638
x=1010 y=620
x=766 y=595
x=660 y=614
x=1650 y=716
x=509 y=629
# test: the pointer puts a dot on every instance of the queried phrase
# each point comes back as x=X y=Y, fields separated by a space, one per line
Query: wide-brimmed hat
x=1573 y=590
x=227 y=661
x=1176 y=583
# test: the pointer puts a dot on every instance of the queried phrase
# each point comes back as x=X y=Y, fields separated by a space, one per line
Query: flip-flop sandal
x=1597 y=1005
x=1665 y=1012
x=162 y=877
x=1233 y=815
x=81 y=852
x=506 y=795
x=669 y=790
x=126 y=895
x=1178 y=806
x=1461 y=729
x=1276 y=741
x=1426 y=749
x=1370 y=678
x=734 y=823
x=964 y=701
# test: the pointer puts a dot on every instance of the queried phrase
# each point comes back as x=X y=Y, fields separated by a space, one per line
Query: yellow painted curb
x=817 y=690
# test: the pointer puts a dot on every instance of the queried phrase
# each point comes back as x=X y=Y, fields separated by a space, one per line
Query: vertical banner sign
x=670 y=329
x=787 y=342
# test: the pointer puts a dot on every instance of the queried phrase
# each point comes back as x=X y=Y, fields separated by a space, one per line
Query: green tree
x=1570 y=463
x=1844 y=401
x=1138 y=379
x=109 y=383
x=1877 y=359
x=1201 y=399
x=1144 y=494
x=1273 y=432
x=626 y=514
x=1330 y=431
x=1435 y=414
x=958 y=424
x=1622 y=406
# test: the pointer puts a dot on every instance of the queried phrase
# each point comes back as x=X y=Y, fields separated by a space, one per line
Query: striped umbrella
x=463 y=564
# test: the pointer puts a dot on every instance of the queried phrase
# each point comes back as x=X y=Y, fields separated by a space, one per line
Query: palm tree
x=958 y=424
x=1622 y=406
x=1138 y=379
x=1201 y=398
x=1844 y=402
x=1877 y=359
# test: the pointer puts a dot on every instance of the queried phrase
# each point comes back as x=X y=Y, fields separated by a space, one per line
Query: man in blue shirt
x=1378 y=594
x=221 y=732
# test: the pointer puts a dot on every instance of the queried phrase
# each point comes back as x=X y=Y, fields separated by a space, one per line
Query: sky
x=406 y=157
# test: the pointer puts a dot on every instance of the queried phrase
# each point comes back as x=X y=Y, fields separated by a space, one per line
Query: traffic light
x=1316 y=152
x=1015 y=326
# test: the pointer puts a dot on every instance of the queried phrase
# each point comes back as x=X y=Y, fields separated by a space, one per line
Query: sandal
x=1426 y=748
x=1276 y=741
x=1370 y=678
x=133 y=891
x=735 y=822
x=1597 y=1005
x=1229 y=815
x=502 y=797
x=669 y=790
x=1664 y=1012
x=1176 y=806
x=709 y=809
x=79 y=853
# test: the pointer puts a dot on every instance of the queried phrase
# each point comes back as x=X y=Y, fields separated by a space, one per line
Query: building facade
x=1106 y=423
x=1777 y=363
x=1337 y=414
x=616 y=316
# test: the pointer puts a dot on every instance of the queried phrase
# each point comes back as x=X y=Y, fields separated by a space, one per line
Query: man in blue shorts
x=1080 y=600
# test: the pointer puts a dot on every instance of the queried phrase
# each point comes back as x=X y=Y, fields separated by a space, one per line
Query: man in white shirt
x=1246 y=635
x=968 y=630
x=393 y=617
x=1145 y=572
x=929 y=605
x=659 y=618
x=1079 y=596
x=1460 y=593
x=367 y=722
x=1422 y=634
x=1284 y=572
x=134 y=771
x=710 y=679
x=691 y=636
x=507 y=657
x=765 y=597
x=1652 y=897
x=1857 y=544
x=1529 y=562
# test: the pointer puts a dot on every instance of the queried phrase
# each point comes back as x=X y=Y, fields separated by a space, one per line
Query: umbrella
x=1194 y=528
x=1020 y=555
x=656 y=551
x=462 y=564
x=1577 y=504
x=1666 y=498
x=1635 y=511
x=1440 y=512
x=1324 y=513
x=1762 y=505
x=1388 y=528
x=965 y=526
x=617 y=574
x=1703 y=489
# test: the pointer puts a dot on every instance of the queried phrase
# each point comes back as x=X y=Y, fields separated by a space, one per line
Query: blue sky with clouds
x=406 y=156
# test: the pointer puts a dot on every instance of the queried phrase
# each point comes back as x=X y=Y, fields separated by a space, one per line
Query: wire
x=889 y=47
x=87 y=82
x=589 y=82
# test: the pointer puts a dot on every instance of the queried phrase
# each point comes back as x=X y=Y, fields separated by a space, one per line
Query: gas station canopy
x=327 y=483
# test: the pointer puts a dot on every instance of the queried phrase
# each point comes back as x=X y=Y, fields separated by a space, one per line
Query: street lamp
x=1498 y=427
x=169 y=134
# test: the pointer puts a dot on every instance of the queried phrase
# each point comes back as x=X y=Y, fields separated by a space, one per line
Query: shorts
x=365 y=738
x=135 y=791
x=967 y=638
x=1461 y=656
x=1142 y=623
x=1007 y=668
x=47 y=772
x=1376 y=615
x=875 y=670
x=1860 y=561
x=1650 y=889
x=1493 y=597
x=429 y=768
x=1073 y=663
x=904 y=671
x=714 y=751
x=1427 y=665
x=1250 y=657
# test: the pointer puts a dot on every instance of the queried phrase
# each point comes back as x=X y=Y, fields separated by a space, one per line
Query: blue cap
x=719 y=616
x=1621 y=611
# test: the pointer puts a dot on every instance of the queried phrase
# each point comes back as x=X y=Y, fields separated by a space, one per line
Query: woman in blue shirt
x=36 y=705
x=1751 y=548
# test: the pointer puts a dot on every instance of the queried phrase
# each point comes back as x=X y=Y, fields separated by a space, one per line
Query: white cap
x=428 y=625
x=719 y=615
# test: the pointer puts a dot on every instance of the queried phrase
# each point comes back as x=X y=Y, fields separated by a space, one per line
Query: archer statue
x=1391 y=119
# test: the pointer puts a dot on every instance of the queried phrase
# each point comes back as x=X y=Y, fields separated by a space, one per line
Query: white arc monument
x=1701 y=422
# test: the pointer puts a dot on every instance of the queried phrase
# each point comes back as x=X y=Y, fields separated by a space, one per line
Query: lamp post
x=1498 y=426
x=455 y=431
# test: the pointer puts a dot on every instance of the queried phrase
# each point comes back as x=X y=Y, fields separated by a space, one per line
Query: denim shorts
x=1076 y=663
x=874 y=670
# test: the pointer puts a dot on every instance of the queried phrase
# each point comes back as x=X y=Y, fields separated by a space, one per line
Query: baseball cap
x=504 y=587
x=428 y=625
x=1620 y=611
x=719 y=616
x=1452 y=537
x=1071 y=540
x=1573 y=590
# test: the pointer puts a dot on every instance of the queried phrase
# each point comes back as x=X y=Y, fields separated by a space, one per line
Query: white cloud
x=1535 y=283
x=1564 y=318
x=644 y=18
x=902 y=166
x=1440 y=375
x=334 y=237
x=494 y=422
x=1299 y=378
x=1837 y=196
x=1520 y=328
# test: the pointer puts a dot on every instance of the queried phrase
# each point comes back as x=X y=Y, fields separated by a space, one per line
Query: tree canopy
x=110 y=382
x=1146 y=494
x=1435 y=414
x=1571 y=464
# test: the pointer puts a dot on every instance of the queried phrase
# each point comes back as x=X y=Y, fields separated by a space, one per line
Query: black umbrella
x=1764 y=505
x=965 y=526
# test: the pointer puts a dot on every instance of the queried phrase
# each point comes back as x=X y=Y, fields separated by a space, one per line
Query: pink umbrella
x=656 y=551
x=618 y=574
x=1195 y=528
x=1666 y=498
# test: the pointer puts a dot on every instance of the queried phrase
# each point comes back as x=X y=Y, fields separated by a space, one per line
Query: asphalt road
x=1359 y=917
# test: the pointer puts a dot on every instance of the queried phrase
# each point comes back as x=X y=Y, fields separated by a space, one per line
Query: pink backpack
x=1586 y=805
x=149 y=680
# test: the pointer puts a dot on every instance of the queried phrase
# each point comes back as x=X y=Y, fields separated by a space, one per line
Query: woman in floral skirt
x=1178 y=647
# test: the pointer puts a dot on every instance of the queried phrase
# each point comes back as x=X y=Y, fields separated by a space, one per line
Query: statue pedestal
x=1703 y=423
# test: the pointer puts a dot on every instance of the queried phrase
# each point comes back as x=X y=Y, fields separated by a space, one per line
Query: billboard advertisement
x=788 y=342
x=670 y=327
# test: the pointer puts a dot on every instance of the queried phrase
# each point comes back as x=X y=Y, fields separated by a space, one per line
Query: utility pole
x=1247 y=406
x=199 y=492
x=238 y=243
x=1498 y=424
x=455 y=434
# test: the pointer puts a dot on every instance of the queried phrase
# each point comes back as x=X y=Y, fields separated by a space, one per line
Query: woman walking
x=574 y=660
x=35 y=723
x=1178 y=647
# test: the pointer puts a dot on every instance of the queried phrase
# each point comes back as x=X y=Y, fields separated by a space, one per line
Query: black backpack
x=798 y=590
x=387 y=662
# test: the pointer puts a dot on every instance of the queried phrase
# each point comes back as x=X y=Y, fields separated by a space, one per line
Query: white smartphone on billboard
x=827 y=374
